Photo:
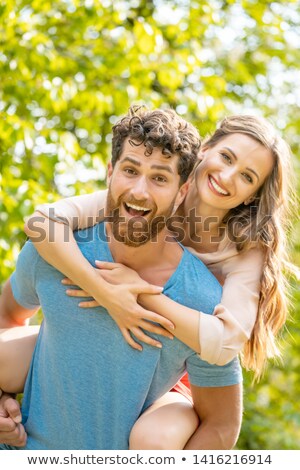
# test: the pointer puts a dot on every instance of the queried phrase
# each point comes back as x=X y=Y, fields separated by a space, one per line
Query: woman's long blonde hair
x=264 y=223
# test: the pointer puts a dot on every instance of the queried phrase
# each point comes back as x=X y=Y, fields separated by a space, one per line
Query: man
x=86 y=386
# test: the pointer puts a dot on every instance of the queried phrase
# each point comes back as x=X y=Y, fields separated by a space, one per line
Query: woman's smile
x=216 y=187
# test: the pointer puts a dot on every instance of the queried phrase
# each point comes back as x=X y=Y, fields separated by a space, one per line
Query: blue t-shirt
x=86 y=386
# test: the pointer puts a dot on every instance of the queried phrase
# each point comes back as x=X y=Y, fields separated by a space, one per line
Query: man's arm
x=16 y=349
x=220 y=413
x=13 y=314
x=15 y=346
x=13 y=365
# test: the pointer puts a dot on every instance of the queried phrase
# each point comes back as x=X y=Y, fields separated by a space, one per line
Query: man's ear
x=181 y=194
x=109 y=173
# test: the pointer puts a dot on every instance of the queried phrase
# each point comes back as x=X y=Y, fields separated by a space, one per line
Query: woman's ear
x=249 y=200
x=201 y=153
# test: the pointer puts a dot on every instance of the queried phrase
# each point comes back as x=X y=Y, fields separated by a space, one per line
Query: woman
x=240 y=193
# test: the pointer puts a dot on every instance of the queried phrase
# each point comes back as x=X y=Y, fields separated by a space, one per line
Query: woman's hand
x=131 y=318
x=117 y=273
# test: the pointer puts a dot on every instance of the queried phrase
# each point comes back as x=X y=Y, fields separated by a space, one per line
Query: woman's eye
x=226 y=157
x=247 y=177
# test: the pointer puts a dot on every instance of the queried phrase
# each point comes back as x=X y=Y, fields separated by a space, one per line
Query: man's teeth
x=137 y=208
x=217 y=187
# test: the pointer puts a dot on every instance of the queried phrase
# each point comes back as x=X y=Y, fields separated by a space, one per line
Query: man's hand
x=12 y=432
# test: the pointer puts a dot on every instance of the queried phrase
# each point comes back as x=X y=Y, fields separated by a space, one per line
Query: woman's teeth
x=217 y=187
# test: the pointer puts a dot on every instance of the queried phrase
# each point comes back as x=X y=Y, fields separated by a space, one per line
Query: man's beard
x=137 y=230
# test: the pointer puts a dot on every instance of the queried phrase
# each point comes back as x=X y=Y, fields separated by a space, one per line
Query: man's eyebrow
x=163 y=168
x=154 y=167
x=131 y=160
x=235 y=157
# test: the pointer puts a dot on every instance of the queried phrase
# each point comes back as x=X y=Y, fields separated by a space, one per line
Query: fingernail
x=18 y=419
x=172 y=327
x=158 y=345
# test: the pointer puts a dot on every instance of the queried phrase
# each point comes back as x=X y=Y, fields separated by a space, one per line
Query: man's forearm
x=210 y=437
x=220 y=414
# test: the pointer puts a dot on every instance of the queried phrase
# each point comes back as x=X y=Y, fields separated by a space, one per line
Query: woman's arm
x=51 y=227
x=218 y=338
x=16 y=349
x=55 y=242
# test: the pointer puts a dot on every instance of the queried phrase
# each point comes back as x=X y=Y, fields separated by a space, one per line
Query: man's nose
x=140 y=188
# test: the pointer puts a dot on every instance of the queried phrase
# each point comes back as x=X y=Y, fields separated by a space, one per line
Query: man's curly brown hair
x=161 y=128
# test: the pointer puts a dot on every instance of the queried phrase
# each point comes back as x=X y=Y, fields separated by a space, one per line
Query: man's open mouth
x=135 y=210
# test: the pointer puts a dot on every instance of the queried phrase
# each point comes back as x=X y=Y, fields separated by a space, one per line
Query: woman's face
x=232 y=171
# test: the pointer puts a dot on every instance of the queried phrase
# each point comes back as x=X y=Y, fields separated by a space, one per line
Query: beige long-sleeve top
x=221 y=335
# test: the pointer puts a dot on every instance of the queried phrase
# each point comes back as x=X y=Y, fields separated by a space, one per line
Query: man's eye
x=226 y=157
x=247 y=177
x=130 y=171
x=160 y=179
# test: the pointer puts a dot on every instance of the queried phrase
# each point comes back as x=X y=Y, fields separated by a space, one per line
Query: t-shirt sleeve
x=23 y=278
x=203 y=374
x=223 y=334
x=78 y=212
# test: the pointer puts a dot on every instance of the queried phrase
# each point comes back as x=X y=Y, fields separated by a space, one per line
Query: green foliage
x=69 y=67
x=271 y=415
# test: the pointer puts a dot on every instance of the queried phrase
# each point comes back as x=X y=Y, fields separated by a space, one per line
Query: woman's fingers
x=145 y=288
x=77 y=293
x=82 y=293
x=128 y=338
x=140 y=335
x=155 y=329
x=107 y=265
x=89 y=304
x=155 y=317
x=67 y=282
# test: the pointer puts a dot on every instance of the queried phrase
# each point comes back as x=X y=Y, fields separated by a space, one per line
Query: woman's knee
x=143 y=437
x=165 y=429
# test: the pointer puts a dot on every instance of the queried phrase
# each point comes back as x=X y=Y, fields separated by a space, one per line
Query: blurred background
x=70 y=68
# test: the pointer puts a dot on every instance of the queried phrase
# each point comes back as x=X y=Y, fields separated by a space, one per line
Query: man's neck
x=164 y=251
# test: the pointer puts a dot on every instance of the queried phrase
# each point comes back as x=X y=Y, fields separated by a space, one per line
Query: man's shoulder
x=197 y=268
x=28 y=253
x=95 y=234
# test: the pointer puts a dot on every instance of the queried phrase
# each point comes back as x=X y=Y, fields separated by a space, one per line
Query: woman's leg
x=16 y=348
x=166 y=425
